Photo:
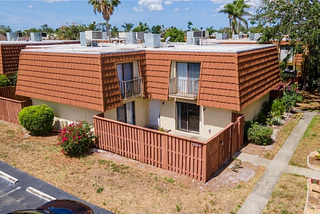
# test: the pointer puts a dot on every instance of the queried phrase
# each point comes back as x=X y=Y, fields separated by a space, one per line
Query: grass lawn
x=289 y=195
x=271 y=150
x=310 y=142
x=123 y=185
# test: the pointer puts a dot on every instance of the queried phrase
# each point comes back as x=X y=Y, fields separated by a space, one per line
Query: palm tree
x=127 y=26
x=236 y=11
x=114 y=31
x=189 y=24
x=106 y=8
x=141 y=27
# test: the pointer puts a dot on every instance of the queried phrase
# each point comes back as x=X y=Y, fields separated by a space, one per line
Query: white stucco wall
x=212 y=120
x=67 y=113
x=168 y=115
x=254 y=108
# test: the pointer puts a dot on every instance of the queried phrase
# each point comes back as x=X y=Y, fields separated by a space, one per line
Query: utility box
x=92 y=35
x=36 y=37
x=140 y=36
x=83 y=41
x=131 y=38
x=254 y=36
x=235 y=36
x=152 y=40
x=11 y=36
x=122 y=35
x=221 y=36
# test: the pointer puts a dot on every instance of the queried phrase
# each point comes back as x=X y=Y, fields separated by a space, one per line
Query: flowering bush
x=291 y=95
x=76 y=139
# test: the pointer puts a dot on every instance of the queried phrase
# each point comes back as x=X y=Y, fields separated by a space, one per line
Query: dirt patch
x=314 y=160
x=282 y=134
x=313 y=203
x=311 y=101
x=289 y=195
x=122 y=185
x=310 y=142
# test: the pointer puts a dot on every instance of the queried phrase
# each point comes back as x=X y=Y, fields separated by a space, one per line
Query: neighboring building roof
x=10 y=52
x=231 y=76
x=3 y=37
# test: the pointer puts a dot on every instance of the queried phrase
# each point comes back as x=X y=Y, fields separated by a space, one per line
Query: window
x=187 y=77
x=126 y=113
x=188 y=117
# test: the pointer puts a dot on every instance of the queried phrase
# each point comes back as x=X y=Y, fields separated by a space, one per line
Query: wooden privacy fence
x=193 y=158
x=11 y=104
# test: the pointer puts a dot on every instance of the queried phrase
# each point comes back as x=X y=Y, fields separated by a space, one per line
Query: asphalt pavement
x=14 y=196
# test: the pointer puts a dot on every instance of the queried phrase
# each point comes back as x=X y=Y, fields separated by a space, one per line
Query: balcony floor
x=184 y=96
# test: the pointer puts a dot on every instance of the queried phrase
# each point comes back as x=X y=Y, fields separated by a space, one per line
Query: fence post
x=8 y=110
x=141 y=145
x=204 y=163
x=164 y=142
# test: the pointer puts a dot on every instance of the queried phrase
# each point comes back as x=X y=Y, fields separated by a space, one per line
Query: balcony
x=131 y=88
x=183 y=88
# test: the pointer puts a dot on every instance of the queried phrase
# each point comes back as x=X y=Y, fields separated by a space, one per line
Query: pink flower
x=79 y=137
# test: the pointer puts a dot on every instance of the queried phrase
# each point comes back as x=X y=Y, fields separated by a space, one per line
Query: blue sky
x=25 y=14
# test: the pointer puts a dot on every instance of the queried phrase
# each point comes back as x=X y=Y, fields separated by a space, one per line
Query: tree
x=106 y=8
x=189 y=24
x=236 y=11
x=114 y=31
x=299 y=19
x=156 y=29
x=4 y=29
x=211 y=30
x=127 y=26
x=175 y=34
x=141 y=27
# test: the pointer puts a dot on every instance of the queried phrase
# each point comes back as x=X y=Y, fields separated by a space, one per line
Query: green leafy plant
x=318 y=156
x=278 y=107
x=291 y=95
x=247 y=125
x=4 y=81
x=161 y=129
x=260 y=134
x=37 y=119
x=76 y=139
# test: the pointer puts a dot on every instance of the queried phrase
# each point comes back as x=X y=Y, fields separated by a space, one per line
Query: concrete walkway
x=259 y=196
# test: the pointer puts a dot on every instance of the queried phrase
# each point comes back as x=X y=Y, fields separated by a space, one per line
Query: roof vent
x=131 y=38
x=11 y=36
x=194 y=37
x=36 y=37
x=152 y=40
x=221 y=36
x=254 y=36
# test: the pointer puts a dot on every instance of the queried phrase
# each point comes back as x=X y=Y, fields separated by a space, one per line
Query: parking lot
x=14 y=196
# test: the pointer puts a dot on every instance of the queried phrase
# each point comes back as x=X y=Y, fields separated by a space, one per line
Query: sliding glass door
x=188 y=117
x=126 y=113
x=187 y=77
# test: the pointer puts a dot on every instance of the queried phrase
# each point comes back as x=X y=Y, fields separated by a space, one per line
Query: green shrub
x=4 y=81
x=76 y=139
x=261 y=118
x=278 y=107
x=13 y=78
x=37 y=119
x=266 y=108
x=291 y=95
x=259 y=134
x=247 y=125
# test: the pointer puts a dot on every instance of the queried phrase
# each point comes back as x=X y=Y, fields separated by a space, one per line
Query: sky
x=25 y=14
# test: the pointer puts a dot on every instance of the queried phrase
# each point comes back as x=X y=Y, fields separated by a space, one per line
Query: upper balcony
x=131 y=88
x=183 y=88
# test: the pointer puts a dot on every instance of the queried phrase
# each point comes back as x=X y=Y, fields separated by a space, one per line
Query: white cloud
x=30 y=6
x=53 y=1
x=149 y=5
x=177 y=9
x=213 y=15
x=186 y=8
x=219 y=8
x=168 y=2
x=253 y=3
x=203 y=13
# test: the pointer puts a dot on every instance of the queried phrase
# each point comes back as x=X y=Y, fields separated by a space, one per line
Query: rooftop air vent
x=152 y=40
x=36 y=37
x=220 y=36
x=93 y=35
x=131 y=38
x=194 y=37
x=11 y=36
